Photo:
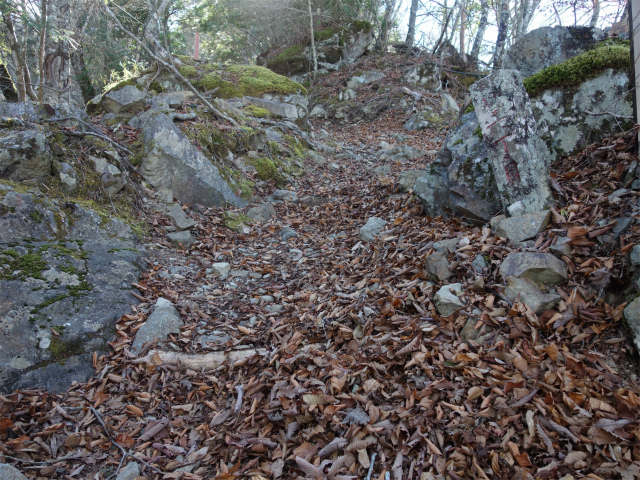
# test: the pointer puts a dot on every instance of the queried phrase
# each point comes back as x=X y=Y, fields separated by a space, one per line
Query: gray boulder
x=518 y=156
x=164 y=320
x=287 y=233
x=173 y=162
x=527 y=292
x=548 y=46
x=426 y=118
x=221 y=269
x=126 y=99
x=538 y=267
x=426 y=75
x=24 y=156
x=283 y=110
x=460 y=182
x=401 y=153
x=65 y=277
x=262 y=212
x=130 y=472
x=7 y=472
x=111 y=177
x=523 y=227
x=407 y=179
x=446 y=299
x=372 y=229
x=632 y=317
x=565 y=115
x=183 y=238
x=365 y=78
x=437 y=267
x=179 y=218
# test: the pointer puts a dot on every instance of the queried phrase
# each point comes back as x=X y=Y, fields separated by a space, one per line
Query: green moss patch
x=580 y=68
x=244 y=80
x=235 y=221
x=257 y=112
x=14 y=266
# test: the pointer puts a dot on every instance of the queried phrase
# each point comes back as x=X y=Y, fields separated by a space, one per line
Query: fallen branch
x=416 y=96
x=208 y=361
x=43 y=462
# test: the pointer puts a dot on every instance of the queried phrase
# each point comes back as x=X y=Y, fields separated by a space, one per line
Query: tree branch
x=169 y=66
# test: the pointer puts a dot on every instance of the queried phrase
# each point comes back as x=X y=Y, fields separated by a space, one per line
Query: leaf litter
x=333 y=361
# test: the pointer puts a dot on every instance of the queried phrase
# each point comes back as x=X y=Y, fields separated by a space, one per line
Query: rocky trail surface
x=305 y=346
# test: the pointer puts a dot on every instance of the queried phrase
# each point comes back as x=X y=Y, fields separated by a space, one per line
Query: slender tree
x=411 y=32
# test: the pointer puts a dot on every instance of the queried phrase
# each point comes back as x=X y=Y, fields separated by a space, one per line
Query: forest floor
x=355 y=375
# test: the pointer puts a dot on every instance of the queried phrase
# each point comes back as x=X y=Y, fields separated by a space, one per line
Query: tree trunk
x=596 y=14
x=446 y=17
x=482 y=28
x=22 y=69
x=503 y=27
x=313 y=41
x=61 y=83
x=383 y=38
x=411 y=33
x=43 y=46
x=152 y=30
x=463 y=27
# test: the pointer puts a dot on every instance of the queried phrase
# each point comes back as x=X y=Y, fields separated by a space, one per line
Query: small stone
x=315 y=157
x=69 y=184
x=216 y=338
x=448 y=245
x=634 y=255
x=181 y=238
x=407 y=179
x=126 y=99
x=221 y=269
x=621 y=226
x=516 y=209
x=165 y=195
x=437 y=267
x=371 y=229
x=130 y=472
x=446 y=300
x=529 y=294
x=313 y=200
x=382 y=170
x=164 y=320
x=470 y=333
x=179 y=218
x=478 y=285
x=7 y=472
x=287 y=233
x=479 y=263
x=524 y=227
x=334 y=166
x=285 y=196
x=262 y=212
x=538 y=267
x=632 y=316
x=561 y=246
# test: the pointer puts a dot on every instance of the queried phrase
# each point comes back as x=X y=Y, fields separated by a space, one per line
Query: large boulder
x=173 y=162
x=65 y=276
x=126 y=99
x=24 y=155
x=534 y=266
x=517 y=154
x=571 y=117
x=460 y=181
x=547 y=46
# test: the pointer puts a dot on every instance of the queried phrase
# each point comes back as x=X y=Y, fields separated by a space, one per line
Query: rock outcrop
x=519 y=159
x=65 y=276
x=547 y=46
x=460 y=181
x=24 y=155
x=173 y=162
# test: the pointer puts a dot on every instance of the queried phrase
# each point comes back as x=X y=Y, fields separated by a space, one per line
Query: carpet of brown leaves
x=359 y=377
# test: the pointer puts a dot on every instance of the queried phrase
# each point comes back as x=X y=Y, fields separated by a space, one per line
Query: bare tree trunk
x=411 y=33
x=446 y=17
x=43 y=44
x=503 y=27
x=61 y=84
x=463 y=27
x=596 y=14
x=152 y=30
x=313 y=41
x=22 y=69
x=482 y=28
x=383 y=38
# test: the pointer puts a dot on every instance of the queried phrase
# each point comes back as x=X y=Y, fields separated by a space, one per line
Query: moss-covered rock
x=578 y=69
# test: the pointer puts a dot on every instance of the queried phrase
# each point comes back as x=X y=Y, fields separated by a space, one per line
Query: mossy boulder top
x=219 y=81
x=547 y=46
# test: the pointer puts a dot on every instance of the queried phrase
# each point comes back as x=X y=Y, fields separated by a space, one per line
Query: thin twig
x=118 y=446
x=43 y=462
x=238 y=405
x=373 y=459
